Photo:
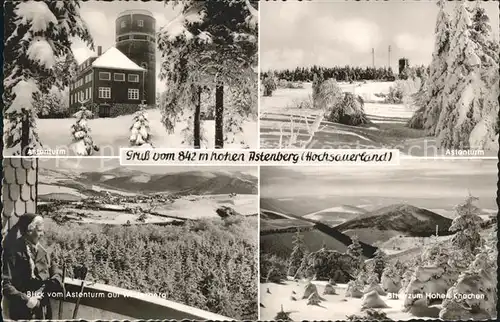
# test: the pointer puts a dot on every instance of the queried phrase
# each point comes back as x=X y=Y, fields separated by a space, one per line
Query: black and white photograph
x=87 y=239
x=90 y=77
x=412 y=241
x=418 y=76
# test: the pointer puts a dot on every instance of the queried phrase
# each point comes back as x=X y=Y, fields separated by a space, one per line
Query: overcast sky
x=334 y=32
x=100 y=17
x=412 y=179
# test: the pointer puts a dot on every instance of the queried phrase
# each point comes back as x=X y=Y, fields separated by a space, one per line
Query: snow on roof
x=115 y=59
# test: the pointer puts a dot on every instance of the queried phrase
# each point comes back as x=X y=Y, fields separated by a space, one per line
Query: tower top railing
x=136 y=11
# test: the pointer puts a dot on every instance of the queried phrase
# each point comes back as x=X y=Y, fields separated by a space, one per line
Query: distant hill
x=135 y=181
x=280 y=243
x=277 y=231
x=401 y=218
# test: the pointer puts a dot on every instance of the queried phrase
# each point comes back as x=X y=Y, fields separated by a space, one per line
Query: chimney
x=99 y=51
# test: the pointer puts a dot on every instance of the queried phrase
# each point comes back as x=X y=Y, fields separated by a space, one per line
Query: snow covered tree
x=270 y=84
x=228 y=52
x=83 y=144
x=242 y=103
x=318 y=79
x=53 y=104
x=391 y=279
x=181 y=70
x=485 y=133
x=379 y=263
x=298 y=254
x=433 y=101
x=356 y=251
x=467 y=226
x=465 y=84
x=38 y=34
x=479 y=280
x=140 y=132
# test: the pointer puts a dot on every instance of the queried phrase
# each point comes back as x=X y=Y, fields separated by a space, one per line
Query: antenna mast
x=389 y=57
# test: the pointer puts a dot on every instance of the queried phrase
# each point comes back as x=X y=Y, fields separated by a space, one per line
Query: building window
x=123 y=24
x=119 y=77
x=71 y=99
x=133 y=94
x=86 y=94
x=104 y=76
x=104 y=92
x=90 y=93
x=133 y=78
x=140 y=23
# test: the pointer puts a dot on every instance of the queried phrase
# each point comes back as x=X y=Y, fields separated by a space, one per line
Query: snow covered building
x=110 y=83
x=115 y=82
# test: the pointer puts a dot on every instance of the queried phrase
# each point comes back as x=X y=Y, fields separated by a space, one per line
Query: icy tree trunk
x=25 y=136
x=219 y=116
x=197 y=112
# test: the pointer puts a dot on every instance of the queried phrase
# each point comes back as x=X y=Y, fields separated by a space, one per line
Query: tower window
x=144 y=65
x=123 y=24
x=140 y=23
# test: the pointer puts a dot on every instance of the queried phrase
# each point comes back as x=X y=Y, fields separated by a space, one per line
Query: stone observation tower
x=136 y=38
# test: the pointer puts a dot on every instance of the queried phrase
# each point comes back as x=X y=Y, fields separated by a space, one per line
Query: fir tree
x=464 y=102
x=140 y=132
x=80 y=131
x=437 y=72
x=243 y=102
x=356 y=251
x=379 y=263
x=467 y=226
x=269 y=84
x=485 y=133
x=231 y=53
x=298 y=254
x=318 y=80
x=33 y=46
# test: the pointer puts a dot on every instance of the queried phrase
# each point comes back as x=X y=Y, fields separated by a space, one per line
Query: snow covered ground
x=389 y=131
x=44 y=189
x=111 y=134
x=195 y=207
x=334 y=308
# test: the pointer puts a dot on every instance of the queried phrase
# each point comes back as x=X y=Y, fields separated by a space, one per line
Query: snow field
x=334 y=308
x=111 y=134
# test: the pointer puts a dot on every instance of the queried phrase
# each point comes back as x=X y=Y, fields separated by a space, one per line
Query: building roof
x=115 y=59
x=136 y=11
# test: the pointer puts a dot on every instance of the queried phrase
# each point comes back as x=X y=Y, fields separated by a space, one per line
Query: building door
x=104 y=110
